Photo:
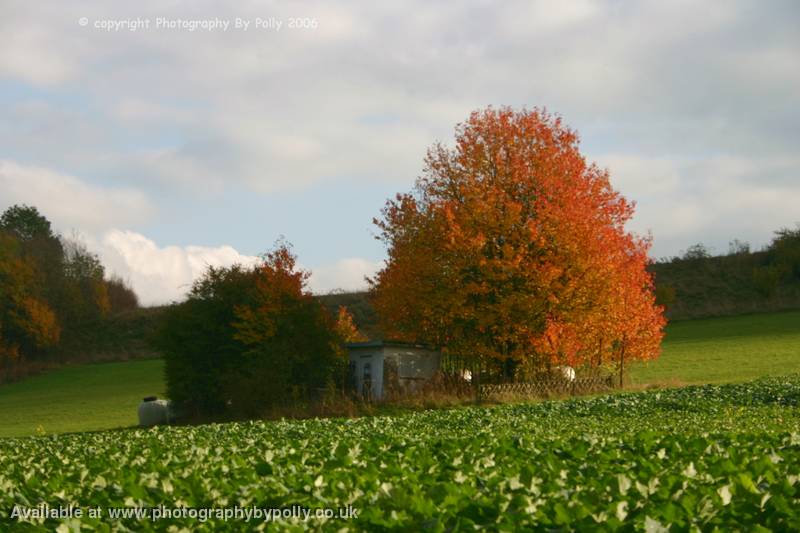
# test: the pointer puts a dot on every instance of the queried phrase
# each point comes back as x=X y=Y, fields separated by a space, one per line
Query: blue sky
x=170 y=149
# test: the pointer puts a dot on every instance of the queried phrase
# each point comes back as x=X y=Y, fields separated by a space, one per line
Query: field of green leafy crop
x=705 y=457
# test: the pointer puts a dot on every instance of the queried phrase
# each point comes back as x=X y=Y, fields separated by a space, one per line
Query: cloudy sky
x=170 y=147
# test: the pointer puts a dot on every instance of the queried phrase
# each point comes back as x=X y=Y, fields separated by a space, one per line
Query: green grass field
x=717 y=350
x=103 y=396
x=79 y=398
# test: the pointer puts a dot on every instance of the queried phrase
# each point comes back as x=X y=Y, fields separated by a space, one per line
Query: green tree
x=121 y=296
x=49 y=284
x=84 y=284
x=697 y=252
x=248 y=339
x=26 y=223
x=784 y=251
x=197 y=339
x=39 y=244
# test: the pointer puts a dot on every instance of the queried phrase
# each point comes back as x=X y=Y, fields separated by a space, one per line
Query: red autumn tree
x=292 y=346
x=512 y=249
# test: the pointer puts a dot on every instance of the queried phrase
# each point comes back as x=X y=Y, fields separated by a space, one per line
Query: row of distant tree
x=783 y=251
x=781 y=261
x=699 y=282
x=48 y=284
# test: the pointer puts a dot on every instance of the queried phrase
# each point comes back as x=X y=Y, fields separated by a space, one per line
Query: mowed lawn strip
x=79 y=398
x=727 y=349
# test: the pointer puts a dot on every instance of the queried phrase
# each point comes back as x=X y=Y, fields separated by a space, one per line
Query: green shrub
x=665 y=295
x=766 y=279
x=785 y=251
x=696 y=252
x=250 y=339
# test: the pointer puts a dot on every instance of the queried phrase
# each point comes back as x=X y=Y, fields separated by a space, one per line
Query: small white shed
x=378 y=366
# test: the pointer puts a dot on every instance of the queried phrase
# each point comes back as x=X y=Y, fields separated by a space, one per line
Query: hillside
x=85 y=397
x=689 y=287
x=694 y=288
x=359 y=306
x=723 y=285
x=121 y=336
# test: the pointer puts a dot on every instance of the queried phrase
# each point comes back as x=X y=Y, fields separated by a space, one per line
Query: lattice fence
x=552 y=386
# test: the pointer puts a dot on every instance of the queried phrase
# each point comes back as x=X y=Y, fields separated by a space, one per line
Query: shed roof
x=382 y=343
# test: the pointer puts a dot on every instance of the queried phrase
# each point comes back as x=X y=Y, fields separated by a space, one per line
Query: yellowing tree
x=27 y=324
x=346 y=327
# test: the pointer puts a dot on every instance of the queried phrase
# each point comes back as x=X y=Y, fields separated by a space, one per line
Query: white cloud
x=45 y=61
x=68 y=201
x=161 y=275
x=693 y=103
x=711 y=200
x=641 y=175
x=281 y=109
x=345 y=274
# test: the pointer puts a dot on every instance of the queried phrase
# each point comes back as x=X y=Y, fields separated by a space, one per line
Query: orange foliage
x=38 y=322
x=25 y=320
x=512 y=247
x=279 y=287
x=346 y=328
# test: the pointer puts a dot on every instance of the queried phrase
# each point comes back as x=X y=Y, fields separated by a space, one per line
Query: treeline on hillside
x=50 y=287
x=696 y=284
x=360 y=307
x=699 y=284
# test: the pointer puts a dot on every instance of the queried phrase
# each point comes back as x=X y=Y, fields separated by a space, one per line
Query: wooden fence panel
x=548 y=387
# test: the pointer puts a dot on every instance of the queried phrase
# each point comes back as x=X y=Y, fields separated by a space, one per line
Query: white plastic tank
x=153 y=411
x=567 y=373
